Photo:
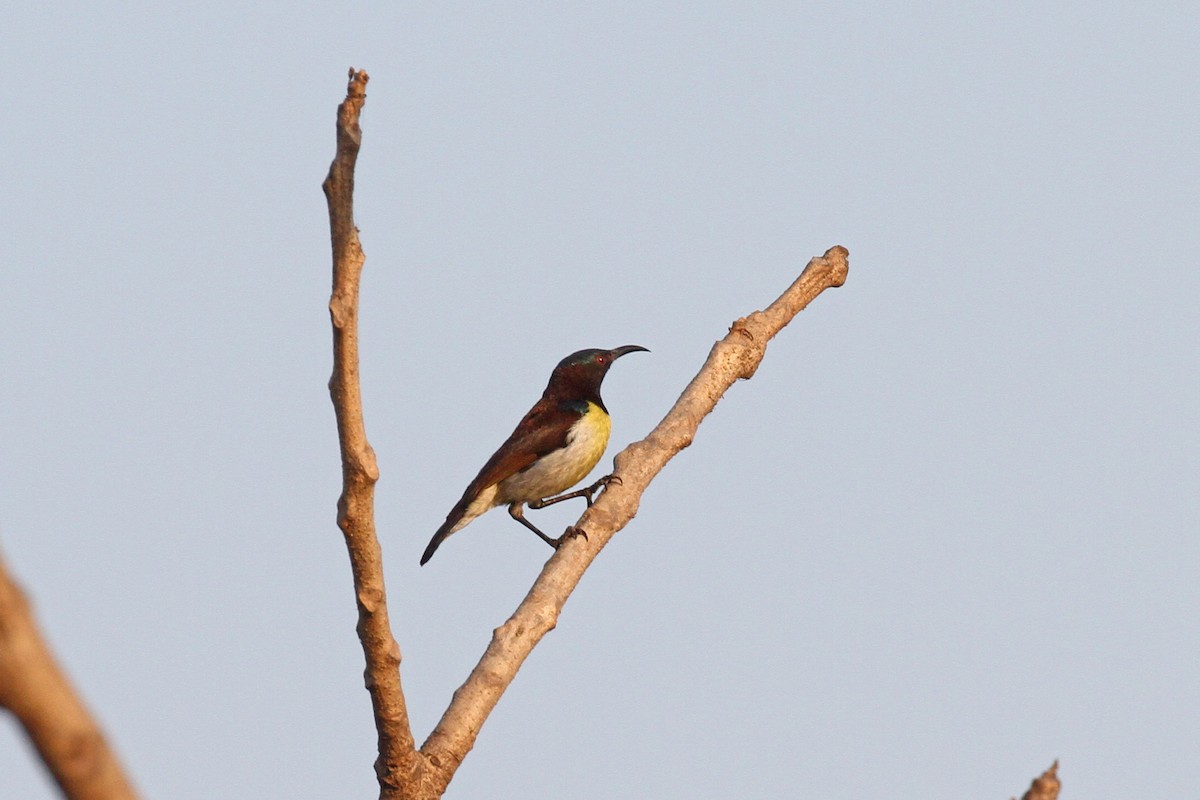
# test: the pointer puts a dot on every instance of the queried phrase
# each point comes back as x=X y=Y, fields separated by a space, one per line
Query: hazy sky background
x=947 y=534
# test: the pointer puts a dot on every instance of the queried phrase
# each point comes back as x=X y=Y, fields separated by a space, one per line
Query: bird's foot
x=598 y=485
x=586 y=493
x=568 y=534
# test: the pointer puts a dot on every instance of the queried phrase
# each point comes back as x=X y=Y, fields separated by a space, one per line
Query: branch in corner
x=1044 y=786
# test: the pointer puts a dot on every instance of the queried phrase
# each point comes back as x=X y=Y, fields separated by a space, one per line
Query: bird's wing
x=543 y=430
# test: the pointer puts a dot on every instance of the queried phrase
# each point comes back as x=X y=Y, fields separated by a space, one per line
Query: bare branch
x=398 y=763
x=1045 y=786
x=38 y=693
x=736 y=356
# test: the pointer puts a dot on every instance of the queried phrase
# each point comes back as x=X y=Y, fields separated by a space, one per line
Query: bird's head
x=580 y=374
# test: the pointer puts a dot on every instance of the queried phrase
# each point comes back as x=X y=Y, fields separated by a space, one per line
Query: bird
x=553 y=447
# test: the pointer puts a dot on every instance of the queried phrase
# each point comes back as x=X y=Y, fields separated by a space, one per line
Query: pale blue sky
x=947 y=534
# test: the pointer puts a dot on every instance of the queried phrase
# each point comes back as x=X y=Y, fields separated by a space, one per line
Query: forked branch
x=402 y=771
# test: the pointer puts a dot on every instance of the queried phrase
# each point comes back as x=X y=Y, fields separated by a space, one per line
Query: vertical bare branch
x=737 y=356
x=398 y=763
x=39 y=695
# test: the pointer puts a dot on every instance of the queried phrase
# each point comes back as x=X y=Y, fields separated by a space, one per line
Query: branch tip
x=1045 y=786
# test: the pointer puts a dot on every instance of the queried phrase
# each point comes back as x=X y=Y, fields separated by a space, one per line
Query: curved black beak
x=626 y=350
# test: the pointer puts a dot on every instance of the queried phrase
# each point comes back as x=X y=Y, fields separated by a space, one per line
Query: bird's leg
x=516 y=512
x=586 y=493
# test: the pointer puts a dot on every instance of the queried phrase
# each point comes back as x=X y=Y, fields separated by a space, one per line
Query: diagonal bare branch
x=39 y=694
x=737 y=356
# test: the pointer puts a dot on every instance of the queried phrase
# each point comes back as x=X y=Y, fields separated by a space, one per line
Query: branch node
x=369 y=599
x=341 y=314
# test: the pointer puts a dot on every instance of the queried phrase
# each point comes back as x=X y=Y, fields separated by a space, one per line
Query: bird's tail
x=472 y=504
x=448 y=527
x=463 y=512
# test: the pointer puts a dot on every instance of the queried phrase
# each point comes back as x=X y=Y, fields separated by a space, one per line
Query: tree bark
x=1044 y=786
x=59 y=726
x=397 y=764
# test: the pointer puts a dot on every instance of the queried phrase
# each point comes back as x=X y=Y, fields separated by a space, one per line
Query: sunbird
x=553 y=448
